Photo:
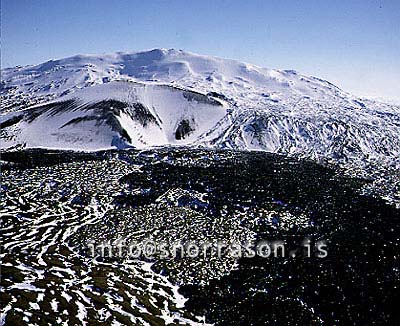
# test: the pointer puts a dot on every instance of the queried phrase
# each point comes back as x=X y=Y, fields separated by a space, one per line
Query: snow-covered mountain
x=173 y=97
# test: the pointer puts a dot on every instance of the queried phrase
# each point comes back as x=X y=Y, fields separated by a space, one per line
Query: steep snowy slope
x=117 y=114
x=242 y=106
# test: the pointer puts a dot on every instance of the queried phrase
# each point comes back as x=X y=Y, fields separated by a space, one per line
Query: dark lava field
x=56 y=203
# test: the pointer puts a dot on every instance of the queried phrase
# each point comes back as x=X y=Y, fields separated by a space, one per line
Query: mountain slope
x=118 y=114
x=239 y=106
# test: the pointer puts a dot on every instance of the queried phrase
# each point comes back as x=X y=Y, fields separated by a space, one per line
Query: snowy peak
x=185 y=69
x=237 y=105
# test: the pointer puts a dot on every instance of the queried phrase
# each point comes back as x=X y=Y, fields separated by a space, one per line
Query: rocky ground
x=55 y=204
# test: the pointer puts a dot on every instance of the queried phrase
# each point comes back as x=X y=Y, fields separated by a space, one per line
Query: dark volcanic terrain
x=55 y=203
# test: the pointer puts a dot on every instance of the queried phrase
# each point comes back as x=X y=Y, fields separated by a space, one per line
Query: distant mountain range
x=171 y=97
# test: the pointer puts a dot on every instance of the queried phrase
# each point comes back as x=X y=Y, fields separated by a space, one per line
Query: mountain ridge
x=274 y=110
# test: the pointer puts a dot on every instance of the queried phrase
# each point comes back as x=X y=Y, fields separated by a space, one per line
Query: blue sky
x=354 y=44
